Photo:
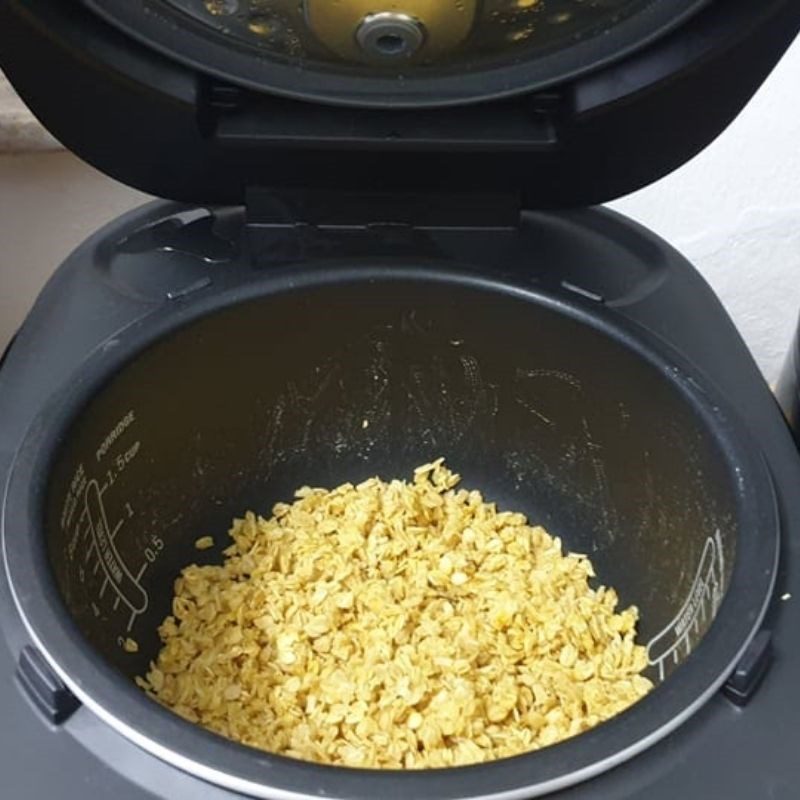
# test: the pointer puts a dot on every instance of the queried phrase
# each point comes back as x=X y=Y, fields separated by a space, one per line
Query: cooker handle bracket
x=46 y=691
x=751 y=669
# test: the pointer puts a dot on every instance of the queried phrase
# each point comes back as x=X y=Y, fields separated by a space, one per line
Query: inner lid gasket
x=293 y=53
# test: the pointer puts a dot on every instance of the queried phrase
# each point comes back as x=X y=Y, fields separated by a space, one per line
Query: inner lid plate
x=396 y=52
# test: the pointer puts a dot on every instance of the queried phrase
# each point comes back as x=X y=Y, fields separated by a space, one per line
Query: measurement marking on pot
x=80 y=531
x=139 y=576
x=699 y=607
x=118 y=576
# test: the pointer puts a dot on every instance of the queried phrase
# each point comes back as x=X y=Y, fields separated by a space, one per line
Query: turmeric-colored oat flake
x=396 y=625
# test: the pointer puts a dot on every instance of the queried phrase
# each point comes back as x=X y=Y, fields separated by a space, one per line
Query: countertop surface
x=19 y=129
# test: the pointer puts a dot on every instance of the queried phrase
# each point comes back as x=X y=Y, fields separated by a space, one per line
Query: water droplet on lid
x=219 y=8
x=261 y=25
x=520 y=35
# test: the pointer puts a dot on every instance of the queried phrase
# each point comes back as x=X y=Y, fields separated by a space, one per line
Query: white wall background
x=734 y=211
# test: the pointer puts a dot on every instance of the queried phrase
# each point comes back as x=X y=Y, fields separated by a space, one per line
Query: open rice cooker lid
x=385 y=52
x=568 y=102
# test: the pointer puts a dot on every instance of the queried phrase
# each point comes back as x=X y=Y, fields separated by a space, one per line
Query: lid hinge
x=422 y=210
x=290 y=225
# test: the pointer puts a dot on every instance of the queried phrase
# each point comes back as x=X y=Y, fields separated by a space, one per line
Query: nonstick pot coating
x=238 y=410
x=611 y=444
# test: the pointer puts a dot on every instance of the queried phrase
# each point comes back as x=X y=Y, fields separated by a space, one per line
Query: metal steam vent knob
x=390 y=35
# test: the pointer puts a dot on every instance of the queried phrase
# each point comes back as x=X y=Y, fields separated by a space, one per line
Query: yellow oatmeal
x=396 y=625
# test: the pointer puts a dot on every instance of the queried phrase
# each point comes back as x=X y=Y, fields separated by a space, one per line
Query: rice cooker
x=387 y=211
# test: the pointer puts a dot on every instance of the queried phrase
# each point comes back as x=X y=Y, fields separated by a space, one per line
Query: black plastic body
x=642 y=282
x=231 y=398
x=788 y=388
x=178 y=133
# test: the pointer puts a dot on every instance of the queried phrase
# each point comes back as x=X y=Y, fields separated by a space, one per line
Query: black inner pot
x=356 y=376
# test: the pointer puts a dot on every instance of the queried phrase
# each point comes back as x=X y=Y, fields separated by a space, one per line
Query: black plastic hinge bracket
x=751 y=669
x=331 y=210
x=43 y=687
x=224 y=96
x=292 y=225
